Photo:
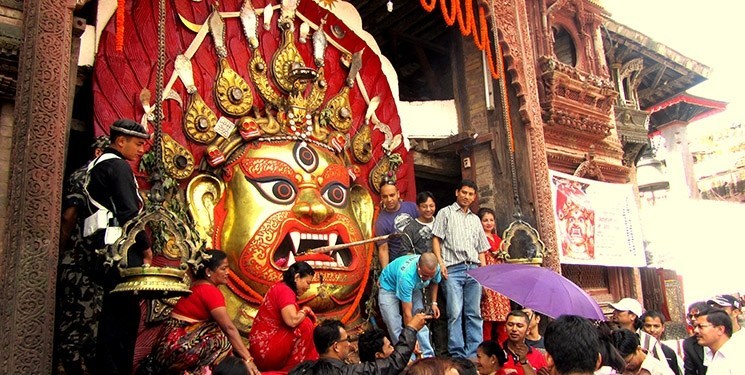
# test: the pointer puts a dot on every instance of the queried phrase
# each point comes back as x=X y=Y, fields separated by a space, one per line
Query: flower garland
x=467 y=26
x=120 y=25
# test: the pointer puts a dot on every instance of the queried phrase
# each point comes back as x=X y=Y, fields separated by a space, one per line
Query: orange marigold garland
x=120 y=26
x=467 y=26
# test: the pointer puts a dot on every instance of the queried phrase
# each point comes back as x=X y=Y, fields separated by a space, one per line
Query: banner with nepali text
x=597 y=223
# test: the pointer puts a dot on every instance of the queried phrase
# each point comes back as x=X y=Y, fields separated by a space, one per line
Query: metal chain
x=157 y=172
x=505 y=113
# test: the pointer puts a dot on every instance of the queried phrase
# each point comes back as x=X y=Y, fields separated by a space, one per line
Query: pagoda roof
x=683 y=107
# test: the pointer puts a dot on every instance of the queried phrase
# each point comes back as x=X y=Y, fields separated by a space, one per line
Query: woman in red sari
x=282 y=333
x=199 y=333
x=494 y=306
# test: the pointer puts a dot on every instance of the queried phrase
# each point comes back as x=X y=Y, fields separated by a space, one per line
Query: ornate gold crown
x=298 y=100
x=292 y=93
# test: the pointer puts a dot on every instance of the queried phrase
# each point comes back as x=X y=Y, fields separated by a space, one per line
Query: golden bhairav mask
x=280 y=200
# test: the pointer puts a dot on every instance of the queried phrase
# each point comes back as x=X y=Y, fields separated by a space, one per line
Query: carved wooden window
x=564 y=48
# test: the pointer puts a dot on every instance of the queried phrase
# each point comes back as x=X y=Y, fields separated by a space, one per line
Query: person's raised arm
x=220 y=315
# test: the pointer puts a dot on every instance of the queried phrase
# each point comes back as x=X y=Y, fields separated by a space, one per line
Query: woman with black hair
x=638 y=362
x=611 y=360
x=282 y=333
x=490 y=358
x=494 y=306
x=199 y=334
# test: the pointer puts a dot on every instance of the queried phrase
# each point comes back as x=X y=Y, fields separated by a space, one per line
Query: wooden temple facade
x=575 y=89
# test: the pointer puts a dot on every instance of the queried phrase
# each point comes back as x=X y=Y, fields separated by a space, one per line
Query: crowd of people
x=424 y=266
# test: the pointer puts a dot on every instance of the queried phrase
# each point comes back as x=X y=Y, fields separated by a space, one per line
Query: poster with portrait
x=597 y=223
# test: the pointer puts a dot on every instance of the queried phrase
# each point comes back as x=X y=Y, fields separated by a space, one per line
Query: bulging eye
x=335 y=195
x=276 y=190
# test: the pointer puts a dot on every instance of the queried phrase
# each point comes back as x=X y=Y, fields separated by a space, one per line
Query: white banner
x=597 y=223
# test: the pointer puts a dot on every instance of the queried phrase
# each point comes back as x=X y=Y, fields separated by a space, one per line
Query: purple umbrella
x=538 y=288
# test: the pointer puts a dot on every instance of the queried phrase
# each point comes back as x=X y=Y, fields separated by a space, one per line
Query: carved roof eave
x=562 y=162
x=656 y=49
x=681 y=72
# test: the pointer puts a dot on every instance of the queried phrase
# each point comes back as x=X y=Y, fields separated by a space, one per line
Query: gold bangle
x=249 y=360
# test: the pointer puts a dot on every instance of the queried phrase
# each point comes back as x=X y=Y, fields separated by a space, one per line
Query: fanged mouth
x=294 y=248
x=575 y=232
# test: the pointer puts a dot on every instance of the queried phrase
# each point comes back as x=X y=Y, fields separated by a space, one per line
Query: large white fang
x=332 y=239
x=339 y=261
x=295 y=237
x=290 y=259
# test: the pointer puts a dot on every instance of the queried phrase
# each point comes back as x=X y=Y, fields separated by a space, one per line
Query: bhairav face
x=577 y=227
x=282 y=200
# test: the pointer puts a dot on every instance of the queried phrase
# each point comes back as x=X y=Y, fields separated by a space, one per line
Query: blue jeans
x=390 y=309
x=463 y=295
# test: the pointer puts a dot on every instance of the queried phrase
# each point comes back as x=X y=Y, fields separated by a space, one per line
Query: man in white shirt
x=731 y=305
x=713 y=330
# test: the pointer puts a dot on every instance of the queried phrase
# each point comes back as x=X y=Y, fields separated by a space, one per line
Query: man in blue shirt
x=392 y=207
x=402 y=282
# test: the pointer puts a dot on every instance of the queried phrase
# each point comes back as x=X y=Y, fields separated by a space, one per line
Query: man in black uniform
x=111 y=184
x=79 y=294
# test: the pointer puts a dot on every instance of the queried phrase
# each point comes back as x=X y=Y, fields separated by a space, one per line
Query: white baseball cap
x=629 y=304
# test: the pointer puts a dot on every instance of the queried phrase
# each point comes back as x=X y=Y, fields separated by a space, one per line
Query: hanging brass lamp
x=156 y=281
x=150 y=281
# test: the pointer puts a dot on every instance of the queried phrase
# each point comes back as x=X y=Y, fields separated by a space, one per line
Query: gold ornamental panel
x=232 y=93
x=340 y=110
x=179 y=162
x=362 y=145
x=199 y=120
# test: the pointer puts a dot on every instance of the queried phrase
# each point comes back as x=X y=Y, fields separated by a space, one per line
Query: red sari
x=494 y=306
x=274 y=345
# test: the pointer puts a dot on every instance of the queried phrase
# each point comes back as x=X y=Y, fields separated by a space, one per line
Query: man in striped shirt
x=459 y=245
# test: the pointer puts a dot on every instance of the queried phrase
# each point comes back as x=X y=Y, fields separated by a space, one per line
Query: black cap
x=131 y=128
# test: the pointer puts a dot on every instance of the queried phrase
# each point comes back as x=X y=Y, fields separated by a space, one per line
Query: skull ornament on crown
x=280 y=125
